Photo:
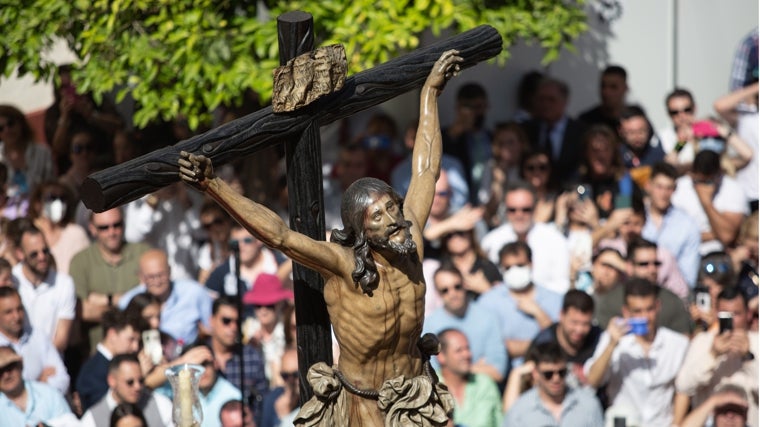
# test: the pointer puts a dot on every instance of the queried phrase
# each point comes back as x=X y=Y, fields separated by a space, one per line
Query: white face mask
x=518 y=277
x=54 y=210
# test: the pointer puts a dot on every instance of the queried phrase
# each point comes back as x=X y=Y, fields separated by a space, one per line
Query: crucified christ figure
x=374 y=289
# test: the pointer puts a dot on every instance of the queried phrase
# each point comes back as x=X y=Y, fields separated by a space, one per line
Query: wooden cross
x=299 y=130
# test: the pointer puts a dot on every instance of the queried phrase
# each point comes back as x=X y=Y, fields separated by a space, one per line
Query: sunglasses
x=648 y=263
x=10 y=367
x=52 y=197
x=133 y=381
x=267 y=306
x=289 y=375
x=246 y=240
x=523 y=210
x=44 y=252
x=215 y=221
x=227 y=320
x=548 y=375
x=688 y=110
x=457 y=287
x=716 y=268
x=78 y=149
x=115 y=225
x=8 y=123
x=541 y=167
x=443 y=193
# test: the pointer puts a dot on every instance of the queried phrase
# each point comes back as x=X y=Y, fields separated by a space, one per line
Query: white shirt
x=728 y=198
x=551 y=254
x=52 y=300
x=747 y=129
x=162 y=402
x=644 y=382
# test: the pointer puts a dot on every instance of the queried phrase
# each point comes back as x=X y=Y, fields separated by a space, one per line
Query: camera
x=726 y=321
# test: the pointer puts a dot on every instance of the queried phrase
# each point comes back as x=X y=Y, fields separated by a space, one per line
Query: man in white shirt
x=49 y=297
x=125 y=385
x=639 y=368
x=551 y=255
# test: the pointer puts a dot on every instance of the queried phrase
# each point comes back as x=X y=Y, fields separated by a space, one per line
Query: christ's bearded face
x=385 y=227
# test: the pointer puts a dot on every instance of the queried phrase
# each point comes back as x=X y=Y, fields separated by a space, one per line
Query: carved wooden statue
x=374 y=287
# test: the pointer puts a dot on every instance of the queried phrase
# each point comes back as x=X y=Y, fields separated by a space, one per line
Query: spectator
x=554 y=131
x=744 y=66
x=551 y=402
x=574 y=333
x=552 y=260
x=476 y=398
x=523 y=307
x=186 y=306
x=127 y=415
x=104 y=271
x=618 y=358
x=126 y=386
x=461 y=249
x=49 y=297
x=678 y=140
x=266 y=331
x=6 y=276
x=52 y=207
x=481 y=327
x=641 y=147
x=715 y=274
x=717 y=358
x=41 y=360
x=744 y=257
x=226 y=350
x=401 y=175
x=613 y=88
x=714 y=200
x=526 y=96
x=507 y=148
x=82 y=157
x=282 y=403
x=254 y=259
x=120 y=336
x=29 y=163
x=669 y=226
x=380 y=139
x=608 y=270
x=167 y=219
x=467 y=139
x=727 y=407
x=216 y=250
x=352 y=164
x=235 y=414
x=536 y=169
x=29 y=403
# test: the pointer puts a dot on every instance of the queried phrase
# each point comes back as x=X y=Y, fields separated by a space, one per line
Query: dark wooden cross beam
x=299 y=130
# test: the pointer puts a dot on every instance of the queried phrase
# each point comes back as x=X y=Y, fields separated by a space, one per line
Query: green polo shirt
x=91 y=273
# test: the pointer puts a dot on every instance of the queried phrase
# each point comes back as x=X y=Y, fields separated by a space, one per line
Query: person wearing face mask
x=524 y=308
x=51 y=208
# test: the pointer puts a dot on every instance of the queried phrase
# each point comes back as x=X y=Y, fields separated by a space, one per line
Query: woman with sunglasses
x=508 y=144
x=29 y=162
x=52 y=209
x=536 y=169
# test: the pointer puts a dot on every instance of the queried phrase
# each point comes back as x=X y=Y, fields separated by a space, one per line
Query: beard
x=404 y=248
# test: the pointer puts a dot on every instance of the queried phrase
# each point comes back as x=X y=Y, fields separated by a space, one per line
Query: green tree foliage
x=187 y=57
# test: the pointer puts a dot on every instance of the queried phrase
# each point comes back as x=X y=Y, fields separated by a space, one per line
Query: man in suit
x=554 y=131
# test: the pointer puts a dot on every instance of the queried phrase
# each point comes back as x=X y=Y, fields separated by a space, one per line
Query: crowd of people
x=580 y=271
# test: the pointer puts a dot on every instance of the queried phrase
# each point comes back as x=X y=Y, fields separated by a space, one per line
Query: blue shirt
x=580 y=408
x=680 y=235
x=516 y=325
x=222 y=392
x=482 y=329
x=43 y=404
x=188 y=304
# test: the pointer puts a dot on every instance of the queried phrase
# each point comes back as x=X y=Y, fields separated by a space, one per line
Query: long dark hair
x=357 y=198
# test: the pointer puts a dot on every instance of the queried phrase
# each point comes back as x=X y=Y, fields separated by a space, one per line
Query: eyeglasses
x=716 y=268
x=44 y=252
x=687 y=110
x=523 y=210
x=548 y=375
x=267 y=306
x=115 y=225
x=8 y=124
x=246 y=240
x=227 y=320
x=213 y=222
x=134 y=381
x=443 y=193
x=540 y=167
x=457 y=287
x=648 y=263
x=78 y=149
x=10 y=367
x=289 y=375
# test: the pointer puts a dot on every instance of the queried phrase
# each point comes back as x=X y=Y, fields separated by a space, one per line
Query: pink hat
x=267 y=290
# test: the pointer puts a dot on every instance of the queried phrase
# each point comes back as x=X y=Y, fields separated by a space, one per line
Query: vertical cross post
x=295 y=31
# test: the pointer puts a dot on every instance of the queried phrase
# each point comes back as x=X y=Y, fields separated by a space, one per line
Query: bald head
x=155 y=273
